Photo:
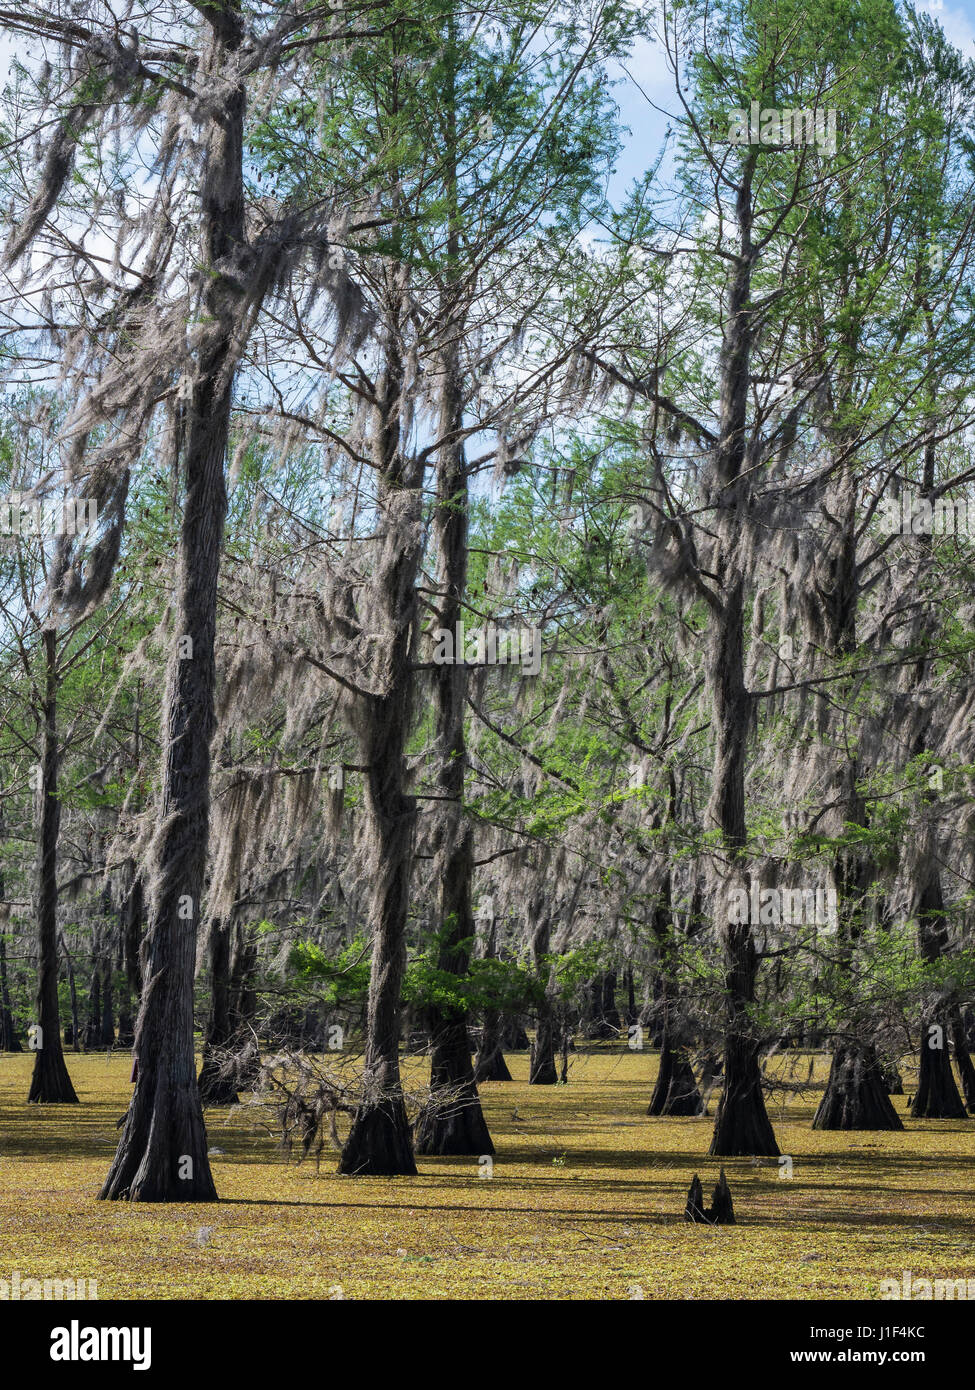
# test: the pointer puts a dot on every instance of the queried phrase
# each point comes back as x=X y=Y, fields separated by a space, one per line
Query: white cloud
x=959 y=25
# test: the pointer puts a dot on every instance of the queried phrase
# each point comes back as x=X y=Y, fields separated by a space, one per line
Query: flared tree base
x=380 y=1142
x=856 y=1096
x=218 y=1085
x=676 y=1091
x=491 y=1068
x=937 y=1096
x=50 y=1083
x=742 y=1126
x=162 y=1154
x=541 y=1067
x=456 y=1127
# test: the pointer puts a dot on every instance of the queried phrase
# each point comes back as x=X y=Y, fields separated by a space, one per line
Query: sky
x=645 y=84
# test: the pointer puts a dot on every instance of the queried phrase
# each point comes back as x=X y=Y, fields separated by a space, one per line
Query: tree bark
x=490 y=1064
x=937 y=1095
x=855 y=1095
x=453 y=1121
x=541 y=1065
x=676 y=1091
x=9 y=1042
x=742 y=1125
x=380 y=1140
x=50 y=1083
x=162 y=1154
x=217 y=1086
x=963 y=1059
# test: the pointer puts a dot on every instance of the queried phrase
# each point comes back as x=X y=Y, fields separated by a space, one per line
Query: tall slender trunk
x=742 y=1125
x=132 y=915
x=50 y=1083
x=75 y=1038
x=453 y=1121
x=856 y=1093
x=380 y=1141
x=162 y=1154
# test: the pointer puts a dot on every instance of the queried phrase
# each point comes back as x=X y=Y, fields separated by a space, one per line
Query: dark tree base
x=963 y=1061
x=50 y=1083
x=541 y=1067
x=493 y=1068
x=457 y=1128
x=676 y=1090
x=452 y=1121
x=380 y=1142
x=855 y=1095
x=162 y=1154
x=742 y=1126
x=893 y=1081
x=513 y=1036
x=722 y=1211
x=215 y=1089
x=937 y=1095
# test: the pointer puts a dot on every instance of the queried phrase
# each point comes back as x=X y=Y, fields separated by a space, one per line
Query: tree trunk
x=541 y=1064
x=107 y=1031
x=75 y=1038
x=963 y=1059
x=490 y=1064
x=742 y=1125
x=632 y=1012
x=9 y=1042
x=855 y=1095
x=217 y=1086
x=162 y=1154
x=453 y=1122
x=380 y=1140
x=133 y=914
x=513 y=1035
x=93 y=1026
x=50 y=1083
x=937 y=1095
x=676 y=1091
